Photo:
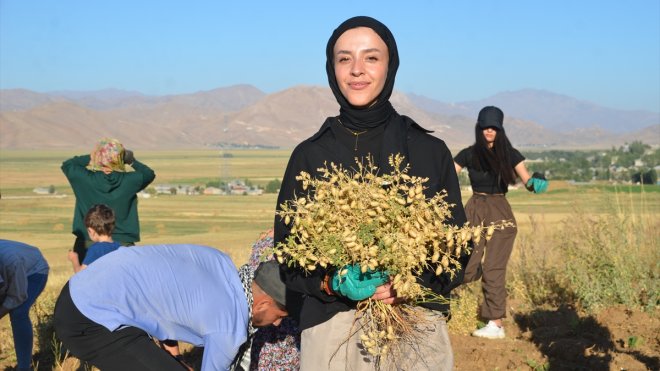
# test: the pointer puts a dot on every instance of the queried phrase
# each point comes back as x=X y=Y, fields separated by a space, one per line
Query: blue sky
x=602 y=51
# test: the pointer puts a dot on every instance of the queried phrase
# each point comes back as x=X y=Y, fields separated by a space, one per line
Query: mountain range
x=244 y=116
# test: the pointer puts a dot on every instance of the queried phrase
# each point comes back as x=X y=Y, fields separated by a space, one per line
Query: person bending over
x=23 y=276
x=107 y=313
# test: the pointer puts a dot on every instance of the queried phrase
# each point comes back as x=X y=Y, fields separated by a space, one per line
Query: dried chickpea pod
x=491 y=230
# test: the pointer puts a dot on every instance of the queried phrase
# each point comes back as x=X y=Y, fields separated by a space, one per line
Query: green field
x=233 y=223
x=230 y=223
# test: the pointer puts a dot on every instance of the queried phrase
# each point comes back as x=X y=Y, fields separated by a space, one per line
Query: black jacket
x=428 y=157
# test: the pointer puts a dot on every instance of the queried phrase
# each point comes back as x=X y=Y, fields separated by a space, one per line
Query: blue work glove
x=356 y=285
x=537 y=183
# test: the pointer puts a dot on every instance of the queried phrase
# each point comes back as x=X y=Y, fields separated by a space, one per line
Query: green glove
x=356 y=285
x=537 y=183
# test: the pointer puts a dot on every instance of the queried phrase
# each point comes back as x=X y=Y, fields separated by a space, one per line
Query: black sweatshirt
x=428 y=157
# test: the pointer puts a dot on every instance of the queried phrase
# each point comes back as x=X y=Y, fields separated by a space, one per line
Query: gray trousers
x=488 y=260
x=327 y=346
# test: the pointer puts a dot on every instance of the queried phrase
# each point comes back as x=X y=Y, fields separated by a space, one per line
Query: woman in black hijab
x=362 y=61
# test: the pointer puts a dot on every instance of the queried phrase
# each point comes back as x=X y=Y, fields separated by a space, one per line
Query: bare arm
x=458 y=167
x=522 y=172
x=75 y=262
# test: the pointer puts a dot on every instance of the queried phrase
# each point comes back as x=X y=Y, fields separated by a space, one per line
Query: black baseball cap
x=491 y=117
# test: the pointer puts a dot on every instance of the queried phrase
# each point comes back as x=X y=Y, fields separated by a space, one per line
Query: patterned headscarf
x=108 y=154
x=246 y=274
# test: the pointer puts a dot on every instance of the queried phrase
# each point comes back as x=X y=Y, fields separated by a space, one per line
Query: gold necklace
x=356 y=134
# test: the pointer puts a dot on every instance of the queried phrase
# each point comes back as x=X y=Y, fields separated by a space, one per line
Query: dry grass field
x=586 y=259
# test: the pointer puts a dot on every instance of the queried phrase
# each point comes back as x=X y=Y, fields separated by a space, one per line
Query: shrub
x=273 y=186
x=594 y=260
x=612 y=258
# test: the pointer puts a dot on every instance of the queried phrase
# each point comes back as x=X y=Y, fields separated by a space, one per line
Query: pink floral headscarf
x=108 y=155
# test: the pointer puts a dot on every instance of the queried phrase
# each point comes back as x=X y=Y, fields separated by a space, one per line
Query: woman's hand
x=386 y=294
x=537 y=183
x=356 y=285
x=72 y=256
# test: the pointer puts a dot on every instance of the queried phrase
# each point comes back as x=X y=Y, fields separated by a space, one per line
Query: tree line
x=634 y=162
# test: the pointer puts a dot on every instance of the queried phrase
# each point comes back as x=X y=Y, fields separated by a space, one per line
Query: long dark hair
x=495 y=160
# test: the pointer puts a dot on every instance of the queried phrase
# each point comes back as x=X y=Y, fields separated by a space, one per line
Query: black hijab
x=376 y=115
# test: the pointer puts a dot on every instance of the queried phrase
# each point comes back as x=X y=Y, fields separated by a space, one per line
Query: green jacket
x=117 y=190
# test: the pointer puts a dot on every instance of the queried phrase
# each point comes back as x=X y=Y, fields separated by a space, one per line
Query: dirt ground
x=561 y=339
x=541 y=340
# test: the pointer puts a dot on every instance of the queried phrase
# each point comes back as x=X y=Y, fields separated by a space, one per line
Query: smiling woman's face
x=361 y=60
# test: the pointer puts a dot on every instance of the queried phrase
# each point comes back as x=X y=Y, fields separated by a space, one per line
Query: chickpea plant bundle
x=381 y=222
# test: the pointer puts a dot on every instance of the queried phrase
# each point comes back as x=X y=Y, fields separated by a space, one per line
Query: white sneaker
x=490 y=331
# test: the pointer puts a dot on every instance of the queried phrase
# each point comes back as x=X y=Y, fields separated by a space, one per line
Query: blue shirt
x=18 y=261
x=181 y=292
x=99 y=249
